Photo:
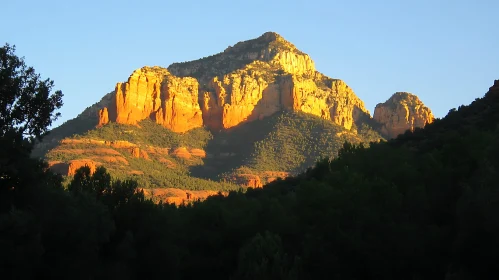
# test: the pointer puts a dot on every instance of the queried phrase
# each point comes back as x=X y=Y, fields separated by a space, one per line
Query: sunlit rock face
x=248 y=81
x=401 y=112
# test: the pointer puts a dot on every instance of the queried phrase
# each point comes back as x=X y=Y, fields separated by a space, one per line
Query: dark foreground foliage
x=423 y=206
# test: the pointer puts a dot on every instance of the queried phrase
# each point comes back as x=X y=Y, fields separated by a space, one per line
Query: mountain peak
x=271 y=35
x=496 y=84
x=270 y=48
x=403 y=96
x=270 y=41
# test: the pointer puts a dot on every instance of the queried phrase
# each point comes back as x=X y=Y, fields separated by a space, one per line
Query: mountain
x=244 y=117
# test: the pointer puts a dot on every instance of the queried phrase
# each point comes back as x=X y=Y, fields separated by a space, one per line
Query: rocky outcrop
x=103 y=117
x=255 y=179
x=270 y=176
x=153 y=93
x=68 y=147
x=198 y=153
x=401 y=112
x=330 y=99
x=250 y=94
x=182 y=153
x=239 y=97
x=113 y=144
x=247 y=180
x=136 y=152
x=177 y=196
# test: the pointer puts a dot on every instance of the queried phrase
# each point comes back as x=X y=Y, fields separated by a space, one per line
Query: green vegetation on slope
x=150 y=133
x=286 y=141
x=160 y=171
x=148 y=173
x=298 y=140
x=156 y=175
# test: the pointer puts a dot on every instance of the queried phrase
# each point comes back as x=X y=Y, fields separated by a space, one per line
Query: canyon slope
x=255 y=112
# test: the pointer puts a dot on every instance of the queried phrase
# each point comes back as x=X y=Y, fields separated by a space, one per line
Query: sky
x=444 y=51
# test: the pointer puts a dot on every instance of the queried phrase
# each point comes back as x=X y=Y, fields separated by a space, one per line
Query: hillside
x=159 y=158
x=246 y=116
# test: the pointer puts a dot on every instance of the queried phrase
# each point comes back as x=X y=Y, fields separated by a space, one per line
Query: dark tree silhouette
x=27 y=108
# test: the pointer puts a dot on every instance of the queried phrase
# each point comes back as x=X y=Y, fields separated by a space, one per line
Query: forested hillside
x=204 y=160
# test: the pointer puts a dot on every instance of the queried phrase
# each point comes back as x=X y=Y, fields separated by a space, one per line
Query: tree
x=27 y=106
x=27 y=109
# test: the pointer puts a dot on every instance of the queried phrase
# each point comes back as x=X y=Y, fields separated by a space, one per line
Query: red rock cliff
x=257 y=78
x=251 y=80
x=152 y=92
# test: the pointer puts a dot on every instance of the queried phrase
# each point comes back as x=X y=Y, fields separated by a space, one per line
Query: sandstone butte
x=250 y=80
x=401 y=112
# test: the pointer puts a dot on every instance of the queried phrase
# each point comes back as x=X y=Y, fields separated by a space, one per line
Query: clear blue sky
x=445 y=51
